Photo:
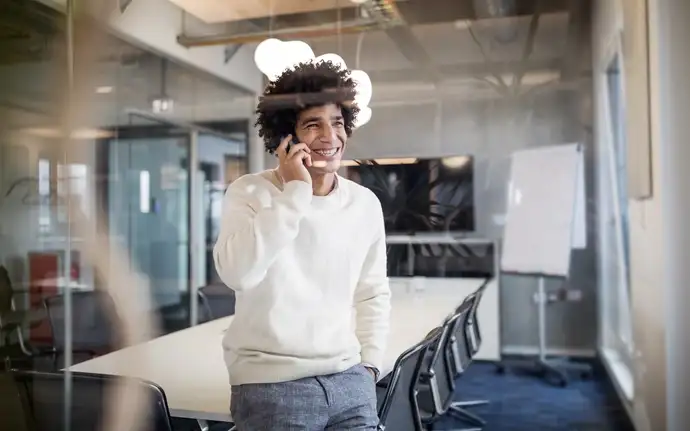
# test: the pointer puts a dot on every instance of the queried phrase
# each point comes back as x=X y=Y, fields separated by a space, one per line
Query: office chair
x=398 y=407
x=90 y=392
x=12 y=321
x=218 y=299
x=437 y=377
x=92 y=333
x=15 y=414
x=469 y=332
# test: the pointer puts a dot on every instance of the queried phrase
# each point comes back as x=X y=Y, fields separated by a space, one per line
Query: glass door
x=221 y=160
x=148 y=213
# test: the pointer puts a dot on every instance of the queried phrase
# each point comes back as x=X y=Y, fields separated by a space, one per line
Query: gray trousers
x=342 y=401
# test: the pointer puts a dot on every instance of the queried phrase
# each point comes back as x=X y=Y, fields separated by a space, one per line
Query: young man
x=303 y=249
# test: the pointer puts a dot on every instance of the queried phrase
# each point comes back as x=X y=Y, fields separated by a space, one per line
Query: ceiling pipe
x=379 y=15
x=488 y=9
x=289 y=33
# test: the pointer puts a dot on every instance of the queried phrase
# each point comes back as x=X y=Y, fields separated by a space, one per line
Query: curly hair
x=305 y=86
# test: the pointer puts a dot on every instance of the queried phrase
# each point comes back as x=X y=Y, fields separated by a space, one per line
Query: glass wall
x=114 y=161
x=139 y=180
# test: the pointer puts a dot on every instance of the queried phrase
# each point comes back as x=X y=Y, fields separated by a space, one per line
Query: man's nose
x=328 y=134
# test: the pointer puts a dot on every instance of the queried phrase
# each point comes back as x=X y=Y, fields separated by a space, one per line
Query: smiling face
x=322 y=128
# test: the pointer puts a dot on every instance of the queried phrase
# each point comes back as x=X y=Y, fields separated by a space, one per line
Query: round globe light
x=267 y=55
x=364 y=87
x=298 y=52
x=333 y=58
x=363 y=117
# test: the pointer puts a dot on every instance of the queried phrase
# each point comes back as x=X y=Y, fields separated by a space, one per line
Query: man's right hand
x=293 y=164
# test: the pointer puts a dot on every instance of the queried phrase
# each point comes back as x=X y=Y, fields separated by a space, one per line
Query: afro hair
x=305 y=86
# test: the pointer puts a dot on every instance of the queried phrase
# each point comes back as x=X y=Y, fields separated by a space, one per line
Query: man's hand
x=293 y=164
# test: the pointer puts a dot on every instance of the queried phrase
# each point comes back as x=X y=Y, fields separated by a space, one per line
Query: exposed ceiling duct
x=507 y=31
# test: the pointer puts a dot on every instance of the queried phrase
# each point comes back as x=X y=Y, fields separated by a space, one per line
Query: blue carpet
x=520 y=402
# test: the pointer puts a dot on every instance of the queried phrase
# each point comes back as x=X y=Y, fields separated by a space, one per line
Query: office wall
x=669 y=35
x=647 y=219
x=155 y=24
x=490 y=130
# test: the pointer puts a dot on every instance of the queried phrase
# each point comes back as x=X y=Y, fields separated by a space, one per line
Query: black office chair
x=14 y=406
x=217 y=300
x=398 y=407
x=12 y=321
x=465 y=343
x=90 y=392
x=92 y=331
x=437 y=378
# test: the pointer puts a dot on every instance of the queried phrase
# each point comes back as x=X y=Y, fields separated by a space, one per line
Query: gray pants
x=342 y=401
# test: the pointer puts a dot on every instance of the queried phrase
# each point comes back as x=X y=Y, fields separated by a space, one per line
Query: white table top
x=189 y=364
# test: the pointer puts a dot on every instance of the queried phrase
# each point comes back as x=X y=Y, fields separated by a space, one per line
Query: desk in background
x=189 y=364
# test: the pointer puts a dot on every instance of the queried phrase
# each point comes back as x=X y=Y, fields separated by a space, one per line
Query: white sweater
x=300 y=265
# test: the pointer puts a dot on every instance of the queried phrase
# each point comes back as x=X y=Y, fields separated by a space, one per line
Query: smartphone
x=293 y=141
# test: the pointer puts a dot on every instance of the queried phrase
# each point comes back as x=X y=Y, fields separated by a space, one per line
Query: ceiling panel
x=217 y=11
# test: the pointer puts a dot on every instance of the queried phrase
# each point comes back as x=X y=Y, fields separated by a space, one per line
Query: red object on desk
x=45 y=267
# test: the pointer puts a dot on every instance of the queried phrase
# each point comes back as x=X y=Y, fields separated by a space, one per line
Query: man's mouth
x=326 y=152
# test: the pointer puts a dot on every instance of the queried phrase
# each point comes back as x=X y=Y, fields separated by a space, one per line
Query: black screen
x=420 y=195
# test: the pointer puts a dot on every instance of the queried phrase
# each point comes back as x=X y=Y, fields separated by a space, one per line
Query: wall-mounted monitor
x=420 y=195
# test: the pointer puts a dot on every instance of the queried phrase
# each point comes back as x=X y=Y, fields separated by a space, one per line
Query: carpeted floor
x=521 y=402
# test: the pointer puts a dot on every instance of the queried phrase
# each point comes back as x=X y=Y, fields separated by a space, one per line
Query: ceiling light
x=273 y=56
x=104 y=89
x=162 y=104
x=454 y=162
x=54 y=133
x=333 y=58
x=364 y=88
x=267 y=57
x=363 y=117
x=298 y=52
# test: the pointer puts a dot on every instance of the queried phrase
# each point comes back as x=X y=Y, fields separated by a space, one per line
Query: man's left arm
x=372 y=303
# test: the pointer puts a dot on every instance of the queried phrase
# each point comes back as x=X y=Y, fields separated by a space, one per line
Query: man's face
x=322 y=128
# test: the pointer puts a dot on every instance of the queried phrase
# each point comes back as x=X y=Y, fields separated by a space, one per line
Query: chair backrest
x=219 y=300
x=15 y=412
x=459 y=341
x=473 y=327
x=92 y=312
x=437 y=376
x=6 y=291
x=90 y=397
x=399 y=410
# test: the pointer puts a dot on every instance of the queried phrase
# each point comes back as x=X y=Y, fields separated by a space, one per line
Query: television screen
x=420 y=195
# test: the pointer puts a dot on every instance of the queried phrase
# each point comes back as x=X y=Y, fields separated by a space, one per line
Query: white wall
x=670 y=68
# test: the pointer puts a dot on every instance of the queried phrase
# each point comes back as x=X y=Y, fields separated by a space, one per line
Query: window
x=619 y=175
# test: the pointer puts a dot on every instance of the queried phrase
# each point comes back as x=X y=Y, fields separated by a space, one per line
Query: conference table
x=189 y=365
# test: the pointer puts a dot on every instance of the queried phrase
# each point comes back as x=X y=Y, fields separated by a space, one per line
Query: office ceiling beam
x=479 y=70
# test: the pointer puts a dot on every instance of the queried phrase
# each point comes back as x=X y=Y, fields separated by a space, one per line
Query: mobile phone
x=293 y=141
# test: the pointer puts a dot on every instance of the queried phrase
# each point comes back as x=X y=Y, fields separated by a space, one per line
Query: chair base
x=462 y=414
x=553 y=370
x=473 y=403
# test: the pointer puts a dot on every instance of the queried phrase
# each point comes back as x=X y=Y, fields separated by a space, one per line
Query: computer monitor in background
x=420 y=195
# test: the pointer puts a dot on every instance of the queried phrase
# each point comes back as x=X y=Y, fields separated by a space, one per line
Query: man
x=303 y=248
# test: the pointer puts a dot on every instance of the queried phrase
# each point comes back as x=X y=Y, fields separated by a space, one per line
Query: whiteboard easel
x=545 y=220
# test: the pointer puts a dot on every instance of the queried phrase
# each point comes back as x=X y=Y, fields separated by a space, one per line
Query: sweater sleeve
x=252 y=235
x=372 y=300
